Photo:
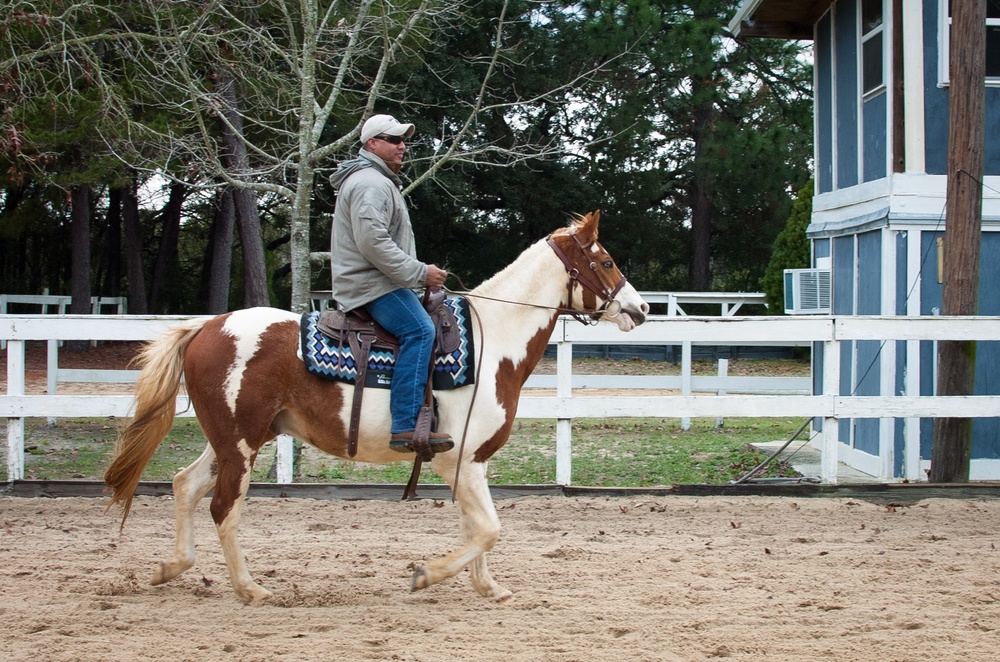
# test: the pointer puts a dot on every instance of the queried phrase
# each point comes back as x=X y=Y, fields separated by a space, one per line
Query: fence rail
x=564 y=406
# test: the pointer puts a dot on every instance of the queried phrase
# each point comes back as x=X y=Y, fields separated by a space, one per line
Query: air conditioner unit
x=807 y=291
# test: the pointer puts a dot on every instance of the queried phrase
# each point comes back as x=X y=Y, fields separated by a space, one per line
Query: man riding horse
x=374 y=266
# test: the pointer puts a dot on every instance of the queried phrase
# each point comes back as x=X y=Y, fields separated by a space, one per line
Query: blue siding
x=821 y=248
x=843 y=304
x=846 y=53
x=843 y=276
x=930 y=298
x=866 y=430
x=823 y=100
x=869 y=273
x=868 y=368
x=935 y=98
x=992 y=146
x=936 y=106
x=846 y=361
x=875 y=132
x=985 y=431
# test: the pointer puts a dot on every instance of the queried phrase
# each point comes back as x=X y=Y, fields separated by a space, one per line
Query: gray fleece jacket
x=372 y=251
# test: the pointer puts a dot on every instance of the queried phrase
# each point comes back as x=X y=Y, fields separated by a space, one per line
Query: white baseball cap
x=378 y=125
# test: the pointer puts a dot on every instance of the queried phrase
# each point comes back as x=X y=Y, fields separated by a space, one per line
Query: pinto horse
x=247 y=383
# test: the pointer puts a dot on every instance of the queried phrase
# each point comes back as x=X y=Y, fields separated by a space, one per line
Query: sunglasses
x=392 y=140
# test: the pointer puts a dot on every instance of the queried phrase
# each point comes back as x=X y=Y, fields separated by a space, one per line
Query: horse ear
x=587 y=228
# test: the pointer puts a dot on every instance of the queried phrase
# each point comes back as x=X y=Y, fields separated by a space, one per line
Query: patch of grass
x=640 y=452
x=81 y=448
x=606 y=453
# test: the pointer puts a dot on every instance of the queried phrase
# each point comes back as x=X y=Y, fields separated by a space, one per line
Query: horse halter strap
x=600 y=289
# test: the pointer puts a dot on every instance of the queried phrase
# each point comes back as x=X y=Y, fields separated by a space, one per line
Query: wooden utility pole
x=952 y=449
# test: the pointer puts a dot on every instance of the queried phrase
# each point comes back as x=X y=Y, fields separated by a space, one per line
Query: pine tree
x=791 y=251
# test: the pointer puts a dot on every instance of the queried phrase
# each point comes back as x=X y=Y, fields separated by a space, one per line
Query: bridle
x=610 y=307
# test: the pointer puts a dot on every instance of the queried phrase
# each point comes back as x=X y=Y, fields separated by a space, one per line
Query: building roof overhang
x=778 y=19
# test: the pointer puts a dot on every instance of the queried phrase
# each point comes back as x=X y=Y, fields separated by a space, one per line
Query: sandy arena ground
x=605 y=578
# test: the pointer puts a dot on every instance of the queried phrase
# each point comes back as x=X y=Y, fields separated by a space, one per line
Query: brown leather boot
x=402 y=442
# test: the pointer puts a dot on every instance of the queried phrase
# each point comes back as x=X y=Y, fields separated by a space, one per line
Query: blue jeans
x=401 y=314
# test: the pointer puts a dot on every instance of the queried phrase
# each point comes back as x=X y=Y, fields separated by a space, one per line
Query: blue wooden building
x=881 y=133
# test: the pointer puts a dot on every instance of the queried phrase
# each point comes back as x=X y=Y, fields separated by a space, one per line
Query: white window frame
x=864 y=37
x=944 y=52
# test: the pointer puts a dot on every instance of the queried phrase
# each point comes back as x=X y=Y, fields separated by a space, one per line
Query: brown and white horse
x=247 y=384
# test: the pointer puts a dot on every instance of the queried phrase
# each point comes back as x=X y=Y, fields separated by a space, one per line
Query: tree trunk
x=165 y=267
x=80 y=258
x=299 y=245
x=251 y=240
x=113 y=274
x=221 y=253
x=952 y=450
x=133 y=251
x=237 y=162
x=701 y=204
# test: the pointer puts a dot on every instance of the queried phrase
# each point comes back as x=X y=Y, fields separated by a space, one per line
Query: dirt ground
x=598 y=578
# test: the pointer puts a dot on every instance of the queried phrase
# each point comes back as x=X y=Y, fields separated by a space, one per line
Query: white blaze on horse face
x=246 y=327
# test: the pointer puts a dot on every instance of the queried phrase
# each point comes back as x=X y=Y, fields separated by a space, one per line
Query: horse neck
x=537 y=280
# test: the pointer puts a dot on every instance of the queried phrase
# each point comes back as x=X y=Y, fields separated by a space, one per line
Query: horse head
x=604 y=292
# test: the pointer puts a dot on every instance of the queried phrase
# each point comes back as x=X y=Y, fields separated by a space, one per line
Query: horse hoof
x=254 y=595
x=504 y=596
x=164 y=573
x=420 y=580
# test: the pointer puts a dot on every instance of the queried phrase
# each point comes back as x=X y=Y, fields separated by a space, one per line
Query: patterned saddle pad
x=325 y=358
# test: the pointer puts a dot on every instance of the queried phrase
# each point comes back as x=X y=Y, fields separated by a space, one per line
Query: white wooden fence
x=59 y=304
x=564 y=406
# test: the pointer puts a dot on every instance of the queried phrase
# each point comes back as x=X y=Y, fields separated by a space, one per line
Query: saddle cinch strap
x=361 y=333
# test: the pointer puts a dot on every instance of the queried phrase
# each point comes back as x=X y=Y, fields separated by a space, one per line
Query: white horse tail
x=162 y=364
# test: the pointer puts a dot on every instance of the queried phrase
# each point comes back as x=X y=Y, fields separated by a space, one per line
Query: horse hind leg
x=227 y=503
x=191 y=484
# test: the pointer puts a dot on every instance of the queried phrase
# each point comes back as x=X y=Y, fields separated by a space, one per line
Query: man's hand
x=435 y=276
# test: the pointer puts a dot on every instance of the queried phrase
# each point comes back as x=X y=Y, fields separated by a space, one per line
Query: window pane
x=872 y=63
x=871 y=15
x=993 y=51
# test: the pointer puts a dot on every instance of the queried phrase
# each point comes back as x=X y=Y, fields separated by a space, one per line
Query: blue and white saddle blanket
x=325 y=358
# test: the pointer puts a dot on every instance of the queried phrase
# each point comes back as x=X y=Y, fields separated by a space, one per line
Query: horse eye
x=608 y=264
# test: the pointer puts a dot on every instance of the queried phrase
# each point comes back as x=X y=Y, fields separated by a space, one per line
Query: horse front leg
x=480 y=531
x=191 y=484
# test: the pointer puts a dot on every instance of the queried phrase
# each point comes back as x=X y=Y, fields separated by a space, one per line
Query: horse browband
x=599 y=290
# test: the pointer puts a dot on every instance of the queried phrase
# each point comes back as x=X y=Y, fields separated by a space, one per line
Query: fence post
x=911 y=426
x=686 y=379
x=51 y=372
x=723 y=373
x=564 y=426
x=15 y=426
x=830 y=445
x=283 y=459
